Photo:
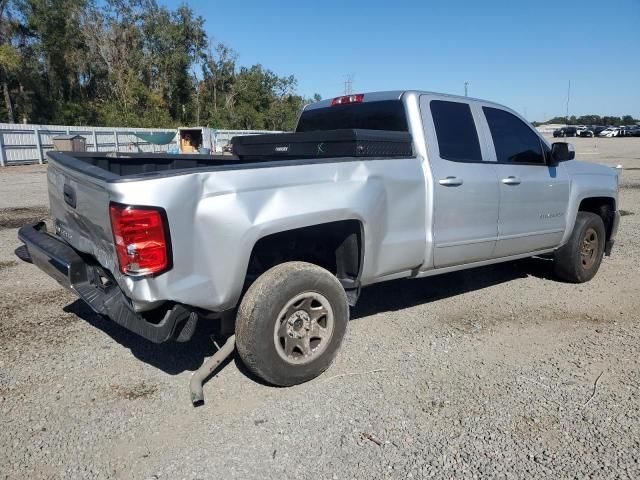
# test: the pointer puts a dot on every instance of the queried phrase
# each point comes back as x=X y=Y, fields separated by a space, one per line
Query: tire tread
x=567 y=265
x=257 y=307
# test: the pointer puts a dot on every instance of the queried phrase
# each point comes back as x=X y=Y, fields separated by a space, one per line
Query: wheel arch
x=604 y=207
x=337 y=246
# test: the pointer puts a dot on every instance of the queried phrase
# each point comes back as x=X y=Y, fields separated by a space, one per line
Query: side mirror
x=562 y=151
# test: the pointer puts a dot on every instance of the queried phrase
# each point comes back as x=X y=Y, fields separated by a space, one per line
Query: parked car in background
x=585 y=132
x=565 y=132
x=629 y=131
x=598 y=130
x=610 y=132
x=591 y=131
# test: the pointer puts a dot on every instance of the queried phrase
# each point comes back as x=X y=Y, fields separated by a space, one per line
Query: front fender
x=588 y=181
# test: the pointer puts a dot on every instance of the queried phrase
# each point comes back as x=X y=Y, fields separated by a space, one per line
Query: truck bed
x=258 y=151
x=115 y=166
x=121 y=167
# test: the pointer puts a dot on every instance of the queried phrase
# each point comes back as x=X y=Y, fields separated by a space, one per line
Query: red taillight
x=142 y=239
x=357 y=98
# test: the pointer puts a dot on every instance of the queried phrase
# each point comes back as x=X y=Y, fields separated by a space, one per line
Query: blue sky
x=515 y=52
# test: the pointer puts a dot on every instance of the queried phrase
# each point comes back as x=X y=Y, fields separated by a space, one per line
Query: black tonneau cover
x=115 y=166
x=324 y=144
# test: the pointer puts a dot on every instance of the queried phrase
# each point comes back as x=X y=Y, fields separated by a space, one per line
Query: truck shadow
x=406 y=293
x=174 y=358
x=170 y=357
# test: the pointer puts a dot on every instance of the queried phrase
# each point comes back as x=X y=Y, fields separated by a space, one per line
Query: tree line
x=592 y=120
x=131 y=63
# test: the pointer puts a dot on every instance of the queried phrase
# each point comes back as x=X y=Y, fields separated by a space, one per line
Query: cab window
x=380 y=115
x=513 y=139
x=456 y=131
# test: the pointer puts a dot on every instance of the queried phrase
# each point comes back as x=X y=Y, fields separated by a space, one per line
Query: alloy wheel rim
x=589 y=248
x=303 y=328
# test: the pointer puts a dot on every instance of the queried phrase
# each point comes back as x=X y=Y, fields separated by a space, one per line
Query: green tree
x=9 y=56
x=175 y=41
x=58 y=50
x=9 y=63
x=130 y=63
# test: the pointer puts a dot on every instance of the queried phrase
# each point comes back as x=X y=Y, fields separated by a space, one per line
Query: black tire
x=261 y=310
x=579 y=259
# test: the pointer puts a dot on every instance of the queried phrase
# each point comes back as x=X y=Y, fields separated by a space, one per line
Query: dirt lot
x=496 y=372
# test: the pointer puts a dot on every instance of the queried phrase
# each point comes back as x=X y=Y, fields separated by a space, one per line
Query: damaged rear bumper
x=96 y=287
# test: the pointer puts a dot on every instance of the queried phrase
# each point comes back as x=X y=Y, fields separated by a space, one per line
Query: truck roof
x=396 y=95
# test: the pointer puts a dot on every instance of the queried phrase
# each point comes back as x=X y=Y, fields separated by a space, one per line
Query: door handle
x=450 y=181
x=511 y=180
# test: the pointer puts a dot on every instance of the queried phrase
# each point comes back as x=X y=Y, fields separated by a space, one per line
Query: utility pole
x=198 y=103
x=568 y=97
x=466 y=89
x=198 y=85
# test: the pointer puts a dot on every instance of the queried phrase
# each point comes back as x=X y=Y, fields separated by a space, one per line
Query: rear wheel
x=579 y=259
x=291 y=322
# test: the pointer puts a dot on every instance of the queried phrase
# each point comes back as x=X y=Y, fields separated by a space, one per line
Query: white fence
x=25 y=143
x=22 y=144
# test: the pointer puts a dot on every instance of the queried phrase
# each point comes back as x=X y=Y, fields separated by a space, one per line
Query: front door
x=465 y=186
x=533 y=195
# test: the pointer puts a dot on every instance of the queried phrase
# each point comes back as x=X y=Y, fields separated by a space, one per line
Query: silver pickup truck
x=282 y=245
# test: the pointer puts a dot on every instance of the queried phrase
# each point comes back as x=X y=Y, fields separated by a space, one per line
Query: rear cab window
x=455 y=131
x=514 y=140
x=376 y=115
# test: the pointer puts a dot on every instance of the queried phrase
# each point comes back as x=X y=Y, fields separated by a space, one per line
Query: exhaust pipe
x=207 y=368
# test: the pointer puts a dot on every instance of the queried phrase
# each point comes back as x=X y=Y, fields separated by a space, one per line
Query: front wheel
x=291 y=322
x=579 y=259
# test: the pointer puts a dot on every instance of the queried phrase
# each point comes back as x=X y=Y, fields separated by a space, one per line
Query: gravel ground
x=495 y=372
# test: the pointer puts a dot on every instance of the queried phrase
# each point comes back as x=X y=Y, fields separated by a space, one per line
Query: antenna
x=466 y=89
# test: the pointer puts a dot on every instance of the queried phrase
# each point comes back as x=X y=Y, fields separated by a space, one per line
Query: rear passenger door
x=533 y=195
x=465 y=187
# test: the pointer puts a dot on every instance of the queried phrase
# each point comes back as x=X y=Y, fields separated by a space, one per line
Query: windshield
x=382 y=115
